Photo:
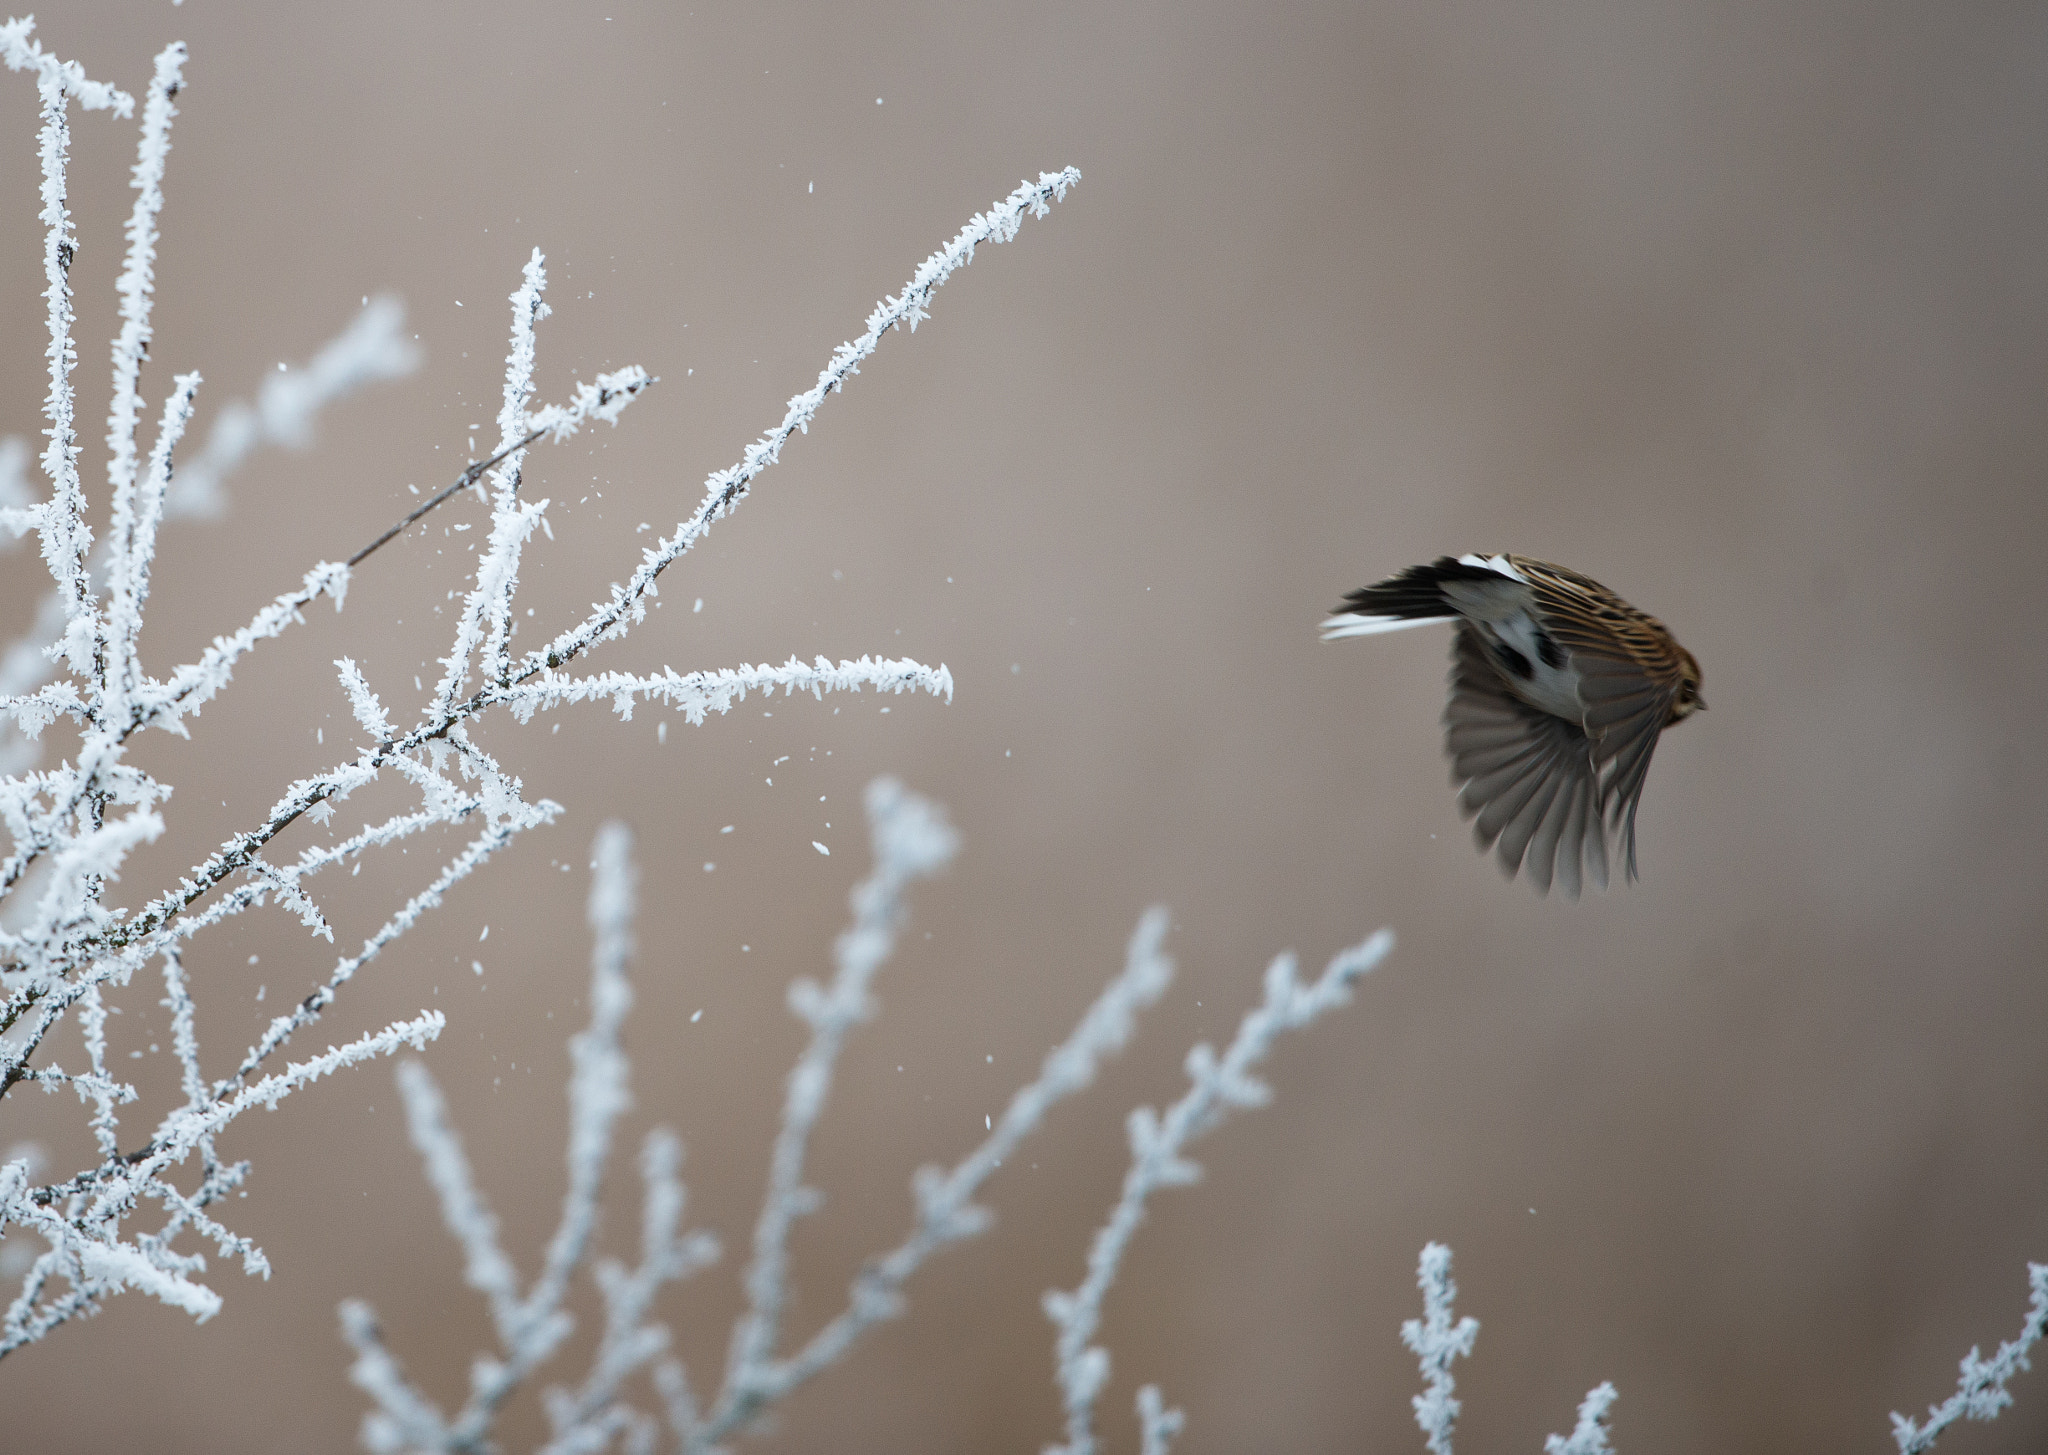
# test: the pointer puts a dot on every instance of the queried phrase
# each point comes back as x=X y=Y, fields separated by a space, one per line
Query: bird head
x=1688 y=700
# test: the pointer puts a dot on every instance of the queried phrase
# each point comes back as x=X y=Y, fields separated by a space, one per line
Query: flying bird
x=1559 y=692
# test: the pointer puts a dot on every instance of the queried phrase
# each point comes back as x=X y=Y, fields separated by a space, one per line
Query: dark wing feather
x=1623 y=785
x=1417 y=594
x=1528 y=776
x=1629 y=675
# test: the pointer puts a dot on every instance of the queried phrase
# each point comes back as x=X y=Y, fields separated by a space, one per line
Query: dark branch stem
x=463 y=481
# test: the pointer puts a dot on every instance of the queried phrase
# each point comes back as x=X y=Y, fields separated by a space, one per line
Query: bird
x=1559 y=692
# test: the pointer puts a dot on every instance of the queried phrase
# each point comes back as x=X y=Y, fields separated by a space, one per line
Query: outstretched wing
x=1629 y=671
x=1528 y=775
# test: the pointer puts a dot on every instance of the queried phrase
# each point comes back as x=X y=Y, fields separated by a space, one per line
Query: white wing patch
x=1352 y=624
x=1494 y=563
x=1554 y=689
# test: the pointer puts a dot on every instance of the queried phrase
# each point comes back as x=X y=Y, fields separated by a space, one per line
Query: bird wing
x=1629 y=671
x=1528 y=775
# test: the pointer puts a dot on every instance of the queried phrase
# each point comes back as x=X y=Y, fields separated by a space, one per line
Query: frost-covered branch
x=726 y=488
x=1436 y=1340
x=1218 y=1087
x=589 y=1416
x=60 y=522
x=696 y=695
x=1439 y=1337
x=81 y=1220
x=1980 y=1392
x=70 y=952
x=911 y=841
x=136 y=288
x=1589 y=1435
x=1158 y=1426
x=944 y=1197
x=531 y=1325
x=371 y=348
x=472 y=858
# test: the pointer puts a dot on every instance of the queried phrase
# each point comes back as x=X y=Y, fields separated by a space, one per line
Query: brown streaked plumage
x=1559 y=692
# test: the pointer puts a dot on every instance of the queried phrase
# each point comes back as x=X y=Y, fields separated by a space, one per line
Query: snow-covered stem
x=137 y=514
x=485 y=616
x=584 y=1419
x=1980 y=1391
x=1589 y=1435
x=1436 y=1339
x=696 y=695
x=911 y=841
x=463 y=1209
x=1217 y=1088
x=404 y=1419
x=599 y=1092
x=1158 y=1426
x=531 y=1325
x=66 y=538
x=137 y=287
x=527 y=312
x=472 y=858
x=944 y=1197
x=1440 y=1336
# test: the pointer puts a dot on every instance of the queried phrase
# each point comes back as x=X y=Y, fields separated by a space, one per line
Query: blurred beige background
x=1739 y=308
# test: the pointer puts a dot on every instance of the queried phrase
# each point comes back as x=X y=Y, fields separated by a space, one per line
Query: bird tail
x=1414 y=597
